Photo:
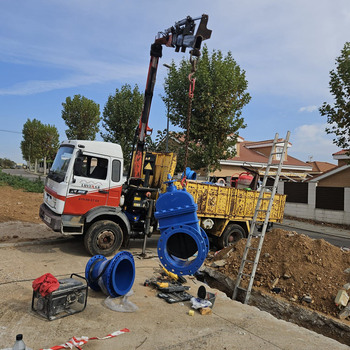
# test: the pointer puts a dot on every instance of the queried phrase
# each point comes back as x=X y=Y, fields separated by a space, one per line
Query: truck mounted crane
x=78 y=199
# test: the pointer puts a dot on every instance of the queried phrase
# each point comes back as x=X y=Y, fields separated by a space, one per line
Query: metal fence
x=330 y=198
x=326 y=197
x=297 y=192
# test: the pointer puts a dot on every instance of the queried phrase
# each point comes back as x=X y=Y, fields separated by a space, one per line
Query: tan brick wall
x=341 y=179
x=228 y=170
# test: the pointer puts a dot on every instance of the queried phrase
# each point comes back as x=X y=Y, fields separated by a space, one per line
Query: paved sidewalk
x=329 y=230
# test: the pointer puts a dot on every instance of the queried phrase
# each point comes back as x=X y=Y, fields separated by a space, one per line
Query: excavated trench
x=282 y=309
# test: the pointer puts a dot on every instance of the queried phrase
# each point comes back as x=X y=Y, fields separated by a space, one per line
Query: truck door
x=116 y=182
x=89 y=187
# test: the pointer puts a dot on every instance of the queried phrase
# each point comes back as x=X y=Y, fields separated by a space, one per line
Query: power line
x=14 y=132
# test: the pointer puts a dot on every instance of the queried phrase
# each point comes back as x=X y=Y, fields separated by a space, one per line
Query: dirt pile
x=18 y=205
x=302 y=270
x=19 y=217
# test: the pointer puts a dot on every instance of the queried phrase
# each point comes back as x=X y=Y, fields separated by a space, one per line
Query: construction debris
x=344 y=313
x=205 y=311
x=342 y=301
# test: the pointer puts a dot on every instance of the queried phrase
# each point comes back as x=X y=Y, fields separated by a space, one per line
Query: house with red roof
x=343 y=157
x=325 y=197
x=255 y=155
x=338 y=176
x=319 y=168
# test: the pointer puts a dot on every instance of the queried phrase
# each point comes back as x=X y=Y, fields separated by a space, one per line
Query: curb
x=36 y=242
x=320 y=230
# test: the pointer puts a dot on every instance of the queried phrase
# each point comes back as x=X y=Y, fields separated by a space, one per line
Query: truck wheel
x=103 y=238
x=232 y=234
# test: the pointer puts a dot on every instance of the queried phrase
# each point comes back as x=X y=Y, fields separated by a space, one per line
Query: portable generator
x=68 y=299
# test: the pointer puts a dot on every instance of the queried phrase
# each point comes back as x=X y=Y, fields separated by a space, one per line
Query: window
x=278 y=150
x=93 y=167
x=60 y=165
x=116 y=167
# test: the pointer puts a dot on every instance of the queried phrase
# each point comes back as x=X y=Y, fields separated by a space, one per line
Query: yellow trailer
x=225 y=212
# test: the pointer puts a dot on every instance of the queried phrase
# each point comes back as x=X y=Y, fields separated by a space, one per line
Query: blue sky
x=53 y=49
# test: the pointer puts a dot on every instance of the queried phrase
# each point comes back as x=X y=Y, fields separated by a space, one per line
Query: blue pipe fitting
x=183 y=245
x=115 y=277
x=190 y=174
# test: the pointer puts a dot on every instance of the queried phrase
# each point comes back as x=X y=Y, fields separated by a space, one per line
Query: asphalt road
x=22 y=172
x=338 y=241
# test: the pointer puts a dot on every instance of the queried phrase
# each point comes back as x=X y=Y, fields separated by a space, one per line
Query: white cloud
x=308 y=109
x=73 y=70
x=312 y=141
x=287 y=47
x=283 y=50
x=40 y=86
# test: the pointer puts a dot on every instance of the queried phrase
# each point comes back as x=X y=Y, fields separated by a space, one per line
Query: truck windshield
x=60 y=164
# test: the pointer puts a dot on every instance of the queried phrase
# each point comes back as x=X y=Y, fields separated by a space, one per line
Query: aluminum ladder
x=252 y=264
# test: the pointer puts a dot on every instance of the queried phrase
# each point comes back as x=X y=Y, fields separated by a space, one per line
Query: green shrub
x=21 y=182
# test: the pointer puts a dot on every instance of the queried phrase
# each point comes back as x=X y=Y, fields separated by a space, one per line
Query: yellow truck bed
x=231 y=203
x=225 y=212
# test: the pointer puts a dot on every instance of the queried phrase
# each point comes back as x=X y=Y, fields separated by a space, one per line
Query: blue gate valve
x=183 y=245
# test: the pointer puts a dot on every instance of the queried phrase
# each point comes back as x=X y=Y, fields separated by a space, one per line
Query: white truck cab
x=83 y=194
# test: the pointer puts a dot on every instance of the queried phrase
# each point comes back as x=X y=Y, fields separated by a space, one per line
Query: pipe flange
x=89 y=269
x=183 y=266
x=110 y=277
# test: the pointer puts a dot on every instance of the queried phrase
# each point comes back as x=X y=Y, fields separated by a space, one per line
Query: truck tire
x=232 y=234
x=103 y=238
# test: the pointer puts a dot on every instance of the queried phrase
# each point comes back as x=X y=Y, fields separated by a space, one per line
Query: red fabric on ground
x=45 y=284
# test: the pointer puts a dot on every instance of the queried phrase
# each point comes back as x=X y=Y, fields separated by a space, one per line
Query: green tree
x=7 y=163
x=338 y=114
x=159 y=145
x=82 y=117
x=49 y=142
x=30 y=145
x=121 y=115
x=219 y=97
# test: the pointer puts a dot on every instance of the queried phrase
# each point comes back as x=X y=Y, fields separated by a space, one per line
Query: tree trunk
x=36 y=166
x=45 y=166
